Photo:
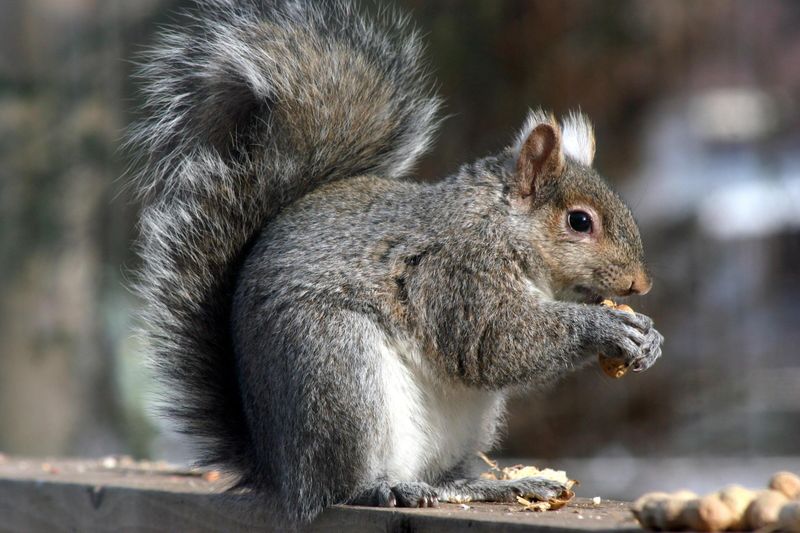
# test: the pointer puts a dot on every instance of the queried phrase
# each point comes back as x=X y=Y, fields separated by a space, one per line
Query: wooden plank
x=85 y=496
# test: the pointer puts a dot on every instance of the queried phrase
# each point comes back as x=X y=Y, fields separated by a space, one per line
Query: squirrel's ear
x=539 y=157
x=577 y=138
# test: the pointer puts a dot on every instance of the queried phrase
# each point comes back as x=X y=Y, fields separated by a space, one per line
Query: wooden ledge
x=117 y=494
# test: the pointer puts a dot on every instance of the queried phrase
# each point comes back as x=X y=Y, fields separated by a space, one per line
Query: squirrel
x=330 y=330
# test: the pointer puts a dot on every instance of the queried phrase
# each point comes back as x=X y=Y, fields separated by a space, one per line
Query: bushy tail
x=249 y=108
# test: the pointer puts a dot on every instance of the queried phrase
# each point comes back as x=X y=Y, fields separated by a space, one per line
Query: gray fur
x=310 y=308
x=250 y=107
x=491 y=490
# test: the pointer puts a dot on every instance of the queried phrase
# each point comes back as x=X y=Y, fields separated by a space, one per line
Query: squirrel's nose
x=640 y=284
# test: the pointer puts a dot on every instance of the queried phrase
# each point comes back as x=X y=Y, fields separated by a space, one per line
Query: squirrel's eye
x=580 y=221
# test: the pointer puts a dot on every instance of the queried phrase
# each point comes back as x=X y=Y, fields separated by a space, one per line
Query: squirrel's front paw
x=630 y=337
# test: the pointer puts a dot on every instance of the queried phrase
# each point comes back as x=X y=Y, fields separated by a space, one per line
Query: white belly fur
x=431 y=425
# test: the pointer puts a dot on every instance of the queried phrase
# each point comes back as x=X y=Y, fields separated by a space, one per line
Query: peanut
x=764 y=509
x=613 y=367
x=787 y=483
x=737 y=498
x=789 y=517
x=708 y=513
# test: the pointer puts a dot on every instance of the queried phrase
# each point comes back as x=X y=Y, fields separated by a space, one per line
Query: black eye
x=580 y=221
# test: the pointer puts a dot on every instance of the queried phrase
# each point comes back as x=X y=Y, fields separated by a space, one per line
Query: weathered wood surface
x=115 y=495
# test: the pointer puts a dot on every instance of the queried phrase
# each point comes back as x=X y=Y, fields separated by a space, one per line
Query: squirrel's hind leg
x=496 y=490
x=311 y=382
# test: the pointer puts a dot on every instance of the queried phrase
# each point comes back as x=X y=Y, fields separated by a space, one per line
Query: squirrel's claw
x=651 y=350
x=415 y=495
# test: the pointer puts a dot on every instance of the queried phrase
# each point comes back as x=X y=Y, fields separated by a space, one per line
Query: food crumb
x=50 y=469
x=212 y=475
x=596 y=500
x=464 y=506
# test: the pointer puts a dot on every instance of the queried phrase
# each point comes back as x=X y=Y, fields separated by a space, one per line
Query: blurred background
x=697 y=114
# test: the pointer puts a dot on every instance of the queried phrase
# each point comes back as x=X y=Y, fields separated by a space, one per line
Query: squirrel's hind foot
x=416 y=494
x=496 y=490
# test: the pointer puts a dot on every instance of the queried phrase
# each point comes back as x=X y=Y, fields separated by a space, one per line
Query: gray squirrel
x=329 y=330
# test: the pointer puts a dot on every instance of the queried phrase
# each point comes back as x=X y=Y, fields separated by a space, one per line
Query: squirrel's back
x=248 y=108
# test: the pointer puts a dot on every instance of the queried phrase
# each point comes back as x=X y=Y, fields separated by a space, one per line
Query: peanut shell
x=787 y=483
x=651 y=510
x=789 y=517
x=763 y=511
x=708 y=513
x=738 y=499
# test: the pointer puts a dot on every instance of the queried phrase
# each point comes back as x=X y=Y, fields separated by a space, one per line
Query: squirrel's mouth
x=588 y=295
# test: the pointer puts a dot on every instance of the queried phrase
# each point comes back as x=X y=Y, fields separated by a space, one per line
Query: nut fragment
x=614 y=367
x=212 y=475
x=535 y=506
